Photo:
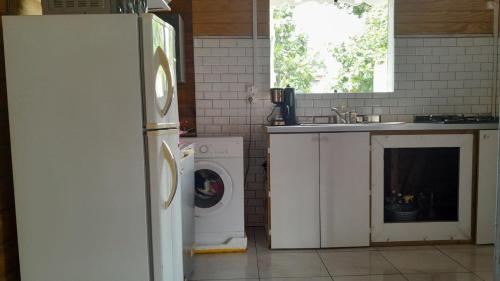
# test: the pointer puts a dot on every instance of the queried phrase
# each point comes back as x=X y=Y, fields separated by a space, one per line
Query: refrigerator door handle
x=169 y=157
x=165 y=64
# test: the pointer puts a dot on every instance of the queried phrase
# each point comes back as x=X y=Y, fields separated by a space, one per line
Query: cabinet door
x=344 y=189
x=487 y=178
x=294 y=172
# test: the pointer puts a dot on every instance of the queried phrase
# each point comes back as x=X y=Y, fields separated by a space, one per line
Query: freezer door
x=165 y=204
x=160 y=86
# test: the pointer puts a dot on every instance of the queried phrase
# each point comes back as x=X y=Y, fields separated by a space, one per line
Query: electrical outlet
x=252 y=92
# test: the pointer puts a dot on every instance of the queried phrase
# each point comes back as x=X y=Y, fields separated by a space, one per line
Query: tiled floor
x=425 y=263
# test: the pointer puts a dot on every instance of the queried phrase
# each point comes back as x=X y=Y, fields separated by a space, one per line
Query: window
x=332 y=46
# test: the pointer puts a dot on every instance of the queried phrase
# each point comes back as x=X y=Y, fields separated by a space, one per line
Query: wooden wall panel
x=229 y=17
x=427 y=17
x=412 y=17
x=9 y=262
x=3 y=7
x=30 y=7
x=8 y=227
x=186 y=93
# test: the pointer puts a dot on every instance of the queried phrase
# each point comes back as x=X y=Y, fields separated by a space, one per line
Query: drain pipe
x=255 y=42
x=252 y=89
x=493 y=5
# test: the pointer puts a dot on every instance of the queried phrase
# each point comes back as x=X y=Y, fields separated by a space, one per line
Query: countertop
x=369 y=127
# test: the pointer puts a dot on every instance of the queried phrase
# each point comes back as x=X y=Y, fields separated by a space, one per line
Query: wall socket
x=252 y=92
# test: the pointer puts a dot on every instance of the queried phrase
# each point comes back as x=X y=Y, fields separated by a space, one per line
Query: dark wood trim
x=421 y=243
x=267 y=225
x=475 y=166
x=9 y=262
x=425 y=132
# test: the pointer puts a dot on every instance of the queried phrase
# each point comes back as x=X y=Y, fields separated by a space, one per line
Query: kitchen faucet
x=339 y=115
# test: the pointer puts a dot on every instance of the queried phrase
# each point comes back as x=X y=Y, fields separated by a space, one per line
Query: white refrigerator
x=94 y=130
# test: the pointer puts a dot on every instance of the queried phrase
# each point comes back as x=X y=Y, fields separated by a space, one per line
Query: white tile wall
x=433 y=75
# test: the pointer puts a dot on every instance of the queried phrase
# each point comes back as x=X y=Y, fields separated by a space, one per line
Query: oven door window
x=421 y=184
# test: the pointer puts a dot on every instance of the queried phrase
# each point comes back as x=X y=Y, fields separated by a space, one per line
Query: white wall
x=434 y=75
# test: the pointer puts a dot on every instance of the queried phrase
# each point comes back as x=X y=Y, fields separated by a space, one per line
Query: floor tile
x=371 y=278
x=262 y=245
x=225 y=266
x=266 y=250
x=474 y=258
x=356 y=263
x=405 y=248
x=485 y=275
x=443 y=277
x=298 y=279
x=422 y=261
x=291 y=264
x=462 y=246
x=230 y=280
x=261 y=239
x=357 y=249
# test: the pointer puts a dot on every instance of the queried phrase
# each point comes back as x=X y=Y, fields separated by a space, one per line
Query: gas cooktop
x=454 y=119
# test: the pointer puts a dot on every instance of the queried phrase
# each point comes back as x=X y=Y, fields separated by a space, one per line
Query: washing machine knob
x=203 y=149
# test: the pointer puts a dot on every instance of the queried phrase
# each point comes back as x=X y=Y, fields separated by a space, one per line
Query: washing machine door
x=213 y=188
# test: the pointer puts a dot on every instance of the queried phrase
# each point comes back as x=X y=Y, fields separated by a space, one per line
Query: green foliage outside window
x=294 y=65
x=362 y=53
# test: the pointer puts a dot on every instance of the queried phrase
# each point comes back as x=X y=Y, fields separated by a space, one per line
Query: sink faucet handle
x=339 y=115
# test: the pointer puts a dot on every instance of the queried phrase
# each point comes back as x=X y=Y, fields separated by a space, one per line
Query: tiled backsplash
x=432 y=75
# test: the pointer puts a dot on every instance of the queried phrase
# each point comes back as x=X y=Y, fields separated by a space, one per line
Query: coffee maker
x=284 y=99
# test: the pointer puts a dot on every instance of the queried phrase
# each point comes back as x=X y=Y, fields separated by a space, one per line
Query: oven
x=421 y=187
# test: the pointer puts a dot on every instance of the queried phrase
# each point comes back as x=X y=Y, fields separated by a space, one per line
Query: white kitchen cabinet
x=486 y=186
x=294 y=190
x=344 y=189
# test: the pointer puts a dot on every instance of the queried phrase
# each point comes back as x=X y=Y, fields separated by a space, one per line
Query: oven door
x=421 y=187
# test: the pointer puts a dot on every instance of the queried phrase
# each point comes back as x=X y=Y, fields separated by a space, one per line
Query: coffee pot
x=284 y=99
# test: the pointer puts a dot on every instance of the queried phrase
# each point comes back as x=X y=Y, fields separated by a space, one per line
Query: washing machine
x=219 y=195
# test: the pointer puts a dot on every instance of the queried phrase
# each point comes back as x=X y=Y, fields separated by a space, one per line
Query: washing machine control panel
x=203 y=149
x=219 y=149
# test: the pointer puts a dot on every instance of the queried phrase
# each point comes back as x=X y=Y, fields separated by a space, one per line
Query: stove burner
x=454 y=119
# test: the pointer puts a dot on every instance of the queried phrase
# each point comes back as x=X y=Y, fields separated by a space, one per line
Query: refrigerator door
x=77 y=147
x=160 y=86
x=165 y=196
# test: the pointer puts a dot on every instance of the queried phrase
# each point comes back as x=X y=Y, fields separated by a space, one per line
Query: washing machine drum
x=213 y=188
